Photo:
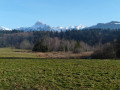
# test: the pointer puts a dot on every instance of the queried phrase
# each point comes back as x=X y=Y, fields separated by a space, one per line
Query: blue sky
x=17 y=13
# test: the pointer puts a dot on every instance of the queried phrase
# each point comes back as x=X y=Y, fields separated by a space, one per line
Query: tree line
x=70 y=40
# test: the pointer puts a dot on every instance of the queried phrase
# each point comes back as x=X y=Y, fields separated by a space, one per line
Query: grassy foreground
x=63 y=74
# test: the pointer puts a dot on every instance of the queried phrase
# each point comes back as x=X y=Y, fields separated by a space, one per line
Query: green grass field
x=54 y=74
x=16 y=53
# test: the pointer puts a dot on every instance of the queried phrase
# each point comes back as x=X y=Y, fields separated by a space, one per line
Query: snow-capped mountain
x=38 y=26
x=57 y=28
x=77 y=27
x=110 y=25
x=80 y=27
x=4 y=28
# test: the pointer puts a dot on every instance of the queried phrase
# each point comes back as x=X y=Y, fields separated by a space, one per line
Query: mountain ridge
x=109 y=25
x=39 y=25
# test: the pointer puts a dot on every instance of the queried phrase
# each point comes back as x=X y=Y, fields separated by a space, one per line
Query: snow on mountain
x=77 y=27
x=110 y=25
x=57 y=28
x=38 y=26
x=80 y=27
x=4 y=28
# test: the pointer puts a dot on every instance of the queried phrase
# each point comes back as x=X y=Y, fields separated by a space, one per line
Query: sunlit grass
x=9 y=52
x=55 y=74
x=59 y=74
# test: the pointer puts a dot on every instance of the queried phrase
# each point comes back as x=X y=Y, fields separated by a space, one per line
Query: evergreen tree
x=40 y=47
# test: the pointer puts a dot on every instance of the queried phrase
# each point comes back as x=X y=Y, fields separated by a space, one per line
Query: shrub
x=107 y=52
x=117 y=46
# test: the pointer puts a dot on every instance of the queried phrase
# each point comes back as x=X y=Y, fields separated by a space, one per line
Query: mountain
x=39 y=26
x=77 y=27
x=110 y=25
x=80 y=27
x=4 y=28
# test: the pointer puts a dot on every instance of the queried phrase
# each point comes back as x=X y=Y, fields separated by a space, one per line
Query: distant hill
x=110 y=25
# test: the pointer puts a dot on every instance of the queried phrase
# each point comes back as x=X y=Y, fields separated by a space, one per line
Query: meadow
x=27 y=71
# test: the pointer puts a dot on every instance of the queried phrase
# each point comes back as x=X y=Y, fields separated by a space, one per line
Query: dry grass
x=8 y=52
x=64 y=55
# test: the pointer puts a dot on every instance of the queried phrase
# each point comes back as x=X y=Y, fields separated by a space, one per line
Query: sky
x=23 y=13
